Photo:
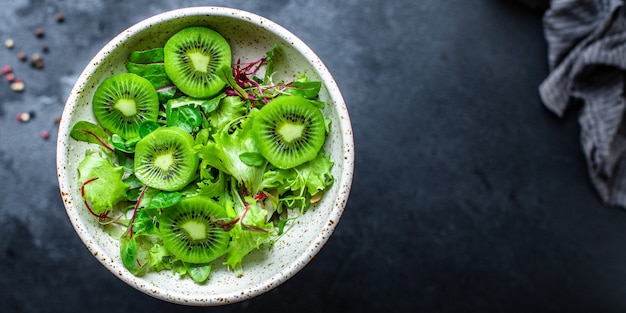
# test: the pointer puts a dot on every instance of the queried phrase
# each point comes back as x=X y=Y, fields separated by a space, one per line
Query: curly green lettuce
x=102 y=182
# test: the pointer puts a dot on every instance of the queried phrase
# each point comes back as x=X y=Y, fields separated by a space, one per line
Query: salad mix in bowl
x=199 y=158
x=205 y=155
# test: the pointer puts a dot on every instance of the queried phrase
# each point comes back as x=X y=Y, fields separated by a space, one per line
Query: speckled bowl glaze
x=250 y=36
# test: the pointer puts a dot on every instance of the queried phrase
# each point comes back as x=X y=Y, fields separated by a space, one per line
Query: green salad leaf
x=228 y=109
x=165 y=199
x=223 y=153
x=226 y=74
x=207 y=105
x=305 y=89
x=250 y=232
x=153 y=72
x=199 y=272
x=123 y=145
x=106 y=187
x=252 y=158
x=147 y=127
x=159 y=257
x=134 y=253
x=149 y=65
x=154 y=55
x=212 y=182
x=313 y=176
x=91 y=133
x=186 y=116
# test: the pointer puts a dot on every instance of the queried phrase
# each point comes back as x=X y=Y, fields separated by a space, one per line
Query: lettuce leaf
x=186 y=116
x=91 y=133
x=154 y=55
x=107 y=189
x=207 y=105
x=316 y=173
x=211 y=184
x=227 y=110
x=153 y=72
x=159 y=257
x=199 y=272
x=134 y=254
x=149 y=65
x=307 y=89
x=250 y=233
x=223 y=154
x=313 y=176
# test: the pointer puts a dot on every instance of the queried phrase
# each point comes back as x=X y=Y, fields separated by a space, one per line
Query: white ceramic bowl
x=250 y=36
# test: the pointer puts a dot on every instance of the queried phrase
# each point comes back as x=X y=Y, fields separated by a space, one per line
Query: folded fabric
x=587 y=58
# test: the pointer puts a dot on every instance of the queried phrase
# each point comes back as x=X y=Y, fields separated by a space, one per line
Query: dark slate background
x=468 y=195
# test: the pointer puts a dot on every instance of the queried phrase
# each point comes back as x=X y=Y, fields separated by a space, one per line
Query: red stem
x=99 y=140
x=132 y=220
x=82 y=194
x=260 y=196
x=228 y=226
x=251 y=228
x=245 y=210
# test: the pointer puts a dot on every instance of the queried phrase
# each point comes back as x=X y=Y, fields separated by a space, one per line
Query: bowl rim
x=345 y=179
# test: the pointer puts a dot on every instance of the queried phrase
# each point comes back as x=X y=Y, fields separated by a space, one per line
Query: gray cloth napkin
x=587 y=58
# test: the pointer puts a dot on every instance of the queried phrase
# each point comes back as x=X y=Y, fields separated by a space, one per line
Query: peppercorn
x=17 y=85
x=39 y=32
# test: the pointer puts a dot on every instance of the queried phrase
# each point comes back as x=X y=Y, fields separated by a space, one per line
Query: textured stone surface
x=468 y=195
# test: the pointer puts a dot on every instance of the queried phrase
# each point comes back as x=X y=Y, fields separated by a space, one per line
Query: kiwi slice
x=165 y=159
x=123 y=101
x=289 y=131
x=189 y=230
x=192 y=57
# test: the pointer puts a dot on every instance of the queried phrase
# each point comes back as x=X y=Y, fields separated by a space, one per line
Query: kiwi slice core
x=200 y=62
x=192 y=57
x=165 y=159
x=128 y=107
x=195 y=230
x=189 y=230
x=289 y=131
x=123 y=101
